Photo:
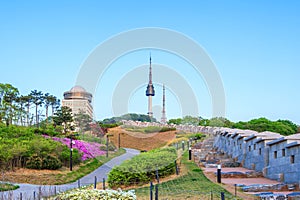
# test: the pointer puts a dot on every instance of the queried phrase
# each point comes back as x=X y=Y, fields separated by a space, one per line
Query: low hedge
x=142 y=168
x=7 y=187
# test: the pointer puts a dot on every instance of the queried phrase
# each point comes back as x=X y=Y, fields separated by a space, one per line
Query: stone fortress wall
x=276 y=156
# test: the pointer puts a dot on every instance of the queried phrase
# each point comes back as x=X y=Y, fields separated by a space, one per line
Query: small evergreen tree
x=63 y=117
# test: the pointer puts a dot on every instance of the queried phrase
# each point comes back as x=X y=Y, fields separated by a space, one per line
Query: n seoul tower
x=150 y=91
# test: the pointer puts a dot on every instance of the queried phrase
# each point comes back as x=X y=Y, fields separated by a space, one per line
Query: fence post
x=188 y=144
x=106 y=146
x=222 y=196
x=190 y=153
x=211 y=195
x=21 y=196
x=40 y=193
x=176 y=168
x=219 y=174
x=33 y=195
x=182 y=145
x=157 y=176
x=95 y=182
x=78 y=183
x=103 y=184
x=156 y=192
x=151 y=190
x=119 y=140
x=55 y=190
x=235 y=189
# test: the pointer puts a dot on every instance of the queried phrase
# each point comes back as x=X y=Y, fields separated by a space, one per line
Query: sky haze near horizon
x=254 y=45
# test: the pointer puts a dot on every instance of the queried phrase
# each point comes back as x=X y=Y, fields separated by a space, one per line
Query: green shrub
x=51 y=162
x=142 y=168
x=91 y=138
x=22 y=144
x=111 y=147
x=152 y=129
x=165 y=129
x=64 y=157
x=198 y=136
x=112 y=125
x=7 y=187
x=34 y=162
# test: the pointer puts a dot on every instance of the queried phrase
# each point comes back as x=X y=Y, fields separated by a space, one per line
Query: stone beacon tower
x=163 y=119
x=150 y=91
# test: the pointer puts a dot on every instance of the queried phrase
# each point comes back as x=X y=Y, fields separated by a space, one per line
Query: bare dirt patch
x=141 y=141
x=42 y=177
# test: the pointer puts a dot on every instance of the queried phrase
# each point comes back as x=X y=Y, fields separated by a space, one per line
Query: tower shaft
x=163 y=116
x=150 y=113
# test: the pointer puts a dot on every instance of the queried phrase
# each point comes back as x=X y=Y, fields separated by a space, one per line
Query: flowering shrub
x=88 y=149
x=87 y=194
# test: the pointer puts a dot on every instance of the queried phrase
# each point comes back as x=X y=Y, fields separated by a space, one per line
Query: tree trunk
x=36 y=116
x=52 y=113
x=21 y=117
x=27 y=117
x=46 y=115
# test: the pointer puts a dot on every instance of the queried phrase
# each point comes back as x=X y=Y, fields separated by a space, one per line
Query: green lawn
x=192 y=185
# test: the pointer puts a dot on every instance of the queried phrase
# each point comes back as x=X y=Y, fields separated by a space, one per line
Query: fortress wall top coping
x=293 y=144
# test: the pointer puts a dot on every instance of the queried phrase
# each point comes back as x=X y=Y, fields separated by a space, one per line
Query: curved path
x=30 y=191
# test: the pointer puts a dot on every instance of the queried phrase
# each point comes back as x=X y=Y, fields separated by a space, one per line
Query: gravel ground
x=249 y=181
x=229 y=169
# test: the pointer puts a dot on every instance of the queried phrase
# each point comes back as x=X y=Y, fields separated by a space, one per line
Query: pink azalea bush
x=88 y=149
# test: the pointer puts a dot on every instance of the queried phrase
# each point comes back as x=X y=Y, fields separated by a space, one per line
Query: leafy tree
x=96 y=129
x=47 y=98
x=21 y=100
x=220 y=122
x=55 y=103
x=63 y=116
x=28 y=100
x=190 y=120
x=8 y=97
x=49 y=101
x=82 y=121
x=37 y=99
x=204 y=122
x=175 y=121
x=290 y=124
x=284 y=127
x=129 y=116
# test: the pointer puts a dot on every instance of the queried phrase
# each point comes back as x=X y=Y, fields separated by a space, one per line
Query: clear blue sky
x=255 y=46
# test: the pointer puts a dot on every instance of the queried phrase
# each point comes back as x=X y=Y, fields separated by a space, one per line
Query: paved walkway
x=30 y=191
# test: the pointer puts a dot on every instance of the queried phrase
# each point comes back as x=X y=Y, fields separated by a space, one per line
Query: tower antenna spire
x=150 y=70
